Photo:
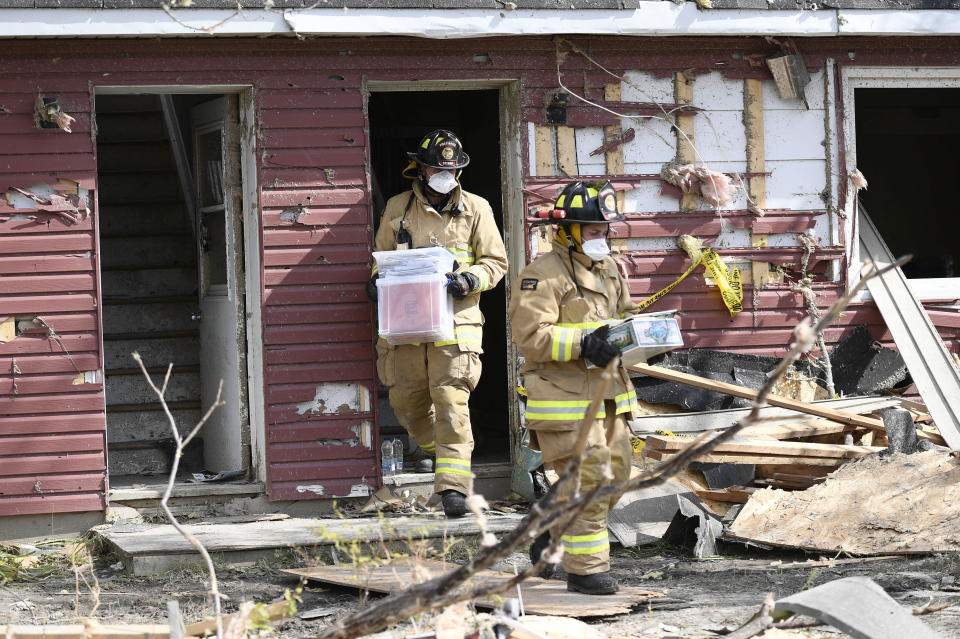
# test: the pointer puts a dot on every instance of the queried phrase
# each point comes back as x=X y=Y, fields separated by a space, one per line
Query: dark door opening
x=906 y=141
x=169 y=226
x=398 y=120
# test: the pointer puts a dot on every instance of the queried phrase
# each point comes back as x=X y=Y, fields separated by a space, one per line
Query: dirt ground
x=704 y=598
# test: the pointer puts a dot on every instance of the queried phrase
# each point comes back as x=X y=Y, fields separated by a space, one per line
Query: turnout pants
x=586 y=548
x=429 y=391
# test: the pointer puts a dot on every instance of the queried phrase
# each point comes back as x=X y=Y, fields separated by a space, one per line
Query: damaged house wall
x=314 y=201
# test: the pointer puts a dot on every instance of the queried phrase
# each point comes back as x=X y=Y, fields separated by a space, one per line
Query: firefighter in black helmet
x=558 y=315
x=430 y=384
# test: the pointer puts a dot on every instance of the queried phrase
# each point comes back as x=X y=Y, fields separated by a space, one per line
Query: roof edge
x=650 y=19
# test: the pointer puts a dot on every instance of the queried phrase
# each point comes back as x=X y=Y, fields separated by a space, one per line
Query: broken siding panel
x=48 y=504
x=51 y=413
x=47 y=484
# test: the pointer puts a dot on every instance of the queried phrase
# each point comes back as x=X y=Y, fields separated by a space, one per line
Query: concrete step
x=133 y=425
x=154 y=282
x=148 y=461
x=133 y=389
x=144 y=251
x=155 y=351
x=131 y=318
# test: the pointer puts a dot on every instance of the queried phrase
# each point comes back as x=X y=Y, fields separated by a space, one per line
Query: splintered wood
x=901 y=504
x=540 y=596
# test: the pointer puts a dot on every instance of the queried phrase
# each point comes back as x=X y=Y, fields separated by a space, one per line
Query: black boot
x=423 y=465
x=538 y=546
x=599 y=583
x=454 y=503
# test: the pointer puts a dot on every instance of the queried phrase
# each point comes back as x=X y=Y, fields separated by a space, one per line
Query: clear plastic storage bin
x=413 y=306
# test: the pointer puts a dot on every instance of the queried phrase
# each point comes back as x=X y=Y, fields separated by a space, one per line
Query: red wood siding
x=51 y=422
x=312 y=165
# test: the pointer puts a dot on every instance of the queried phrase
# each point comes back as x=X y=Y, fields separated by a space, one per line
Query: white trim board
x=853 y=78
x=650 y=19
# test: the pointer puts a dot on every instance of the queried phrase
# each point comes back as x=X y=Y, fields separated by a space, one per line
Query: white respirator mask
x=596 y=250
x=442 y=182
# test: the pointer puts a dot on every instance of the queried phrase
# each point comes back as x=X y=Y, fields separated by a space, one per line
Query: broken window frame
x=853 y=78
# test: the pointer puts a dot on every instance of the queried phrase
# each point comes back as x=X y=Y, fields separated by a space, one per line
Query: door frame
x=252 y=252
x=511 y=174
x=853 y=78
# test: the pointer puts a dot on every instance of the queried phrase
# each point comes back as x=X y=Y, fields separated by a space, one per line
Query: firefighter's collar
x=455 y=199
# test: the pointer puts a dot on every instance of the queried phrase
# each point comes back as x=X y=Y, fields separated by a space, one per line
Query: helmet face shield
x=587 y=203
x=607 y=204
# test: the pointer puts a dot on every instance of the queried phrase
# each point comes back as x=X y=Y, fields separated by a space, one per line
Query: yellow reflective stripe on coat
x=429 y=448
x=561 y=345
x=453 y=466
x=465 y=334
x=585 y=544
x=560 y=410
x=626 y=402
x=581 y=325
x=463 y=257
x=482 y=279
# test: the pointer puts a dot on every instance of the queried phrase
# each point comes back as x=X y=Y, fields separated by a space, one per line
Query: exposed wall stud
x=686 y=154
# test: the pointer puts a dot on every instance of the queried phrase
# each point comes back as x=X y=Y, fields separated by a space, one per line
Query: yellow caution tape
x=728 y=281
x=637 y=444
x=670 y=433
x=669 y=287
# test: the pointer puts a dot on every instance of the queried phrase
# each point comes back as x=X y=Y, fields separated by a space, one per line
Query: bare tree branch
x=175 y=466
x=563 y=503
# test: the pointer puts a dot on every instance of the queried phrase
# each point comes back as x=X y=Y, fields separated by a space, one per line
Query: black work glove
x=372 y=289
x=459 y=285
x=595 y=347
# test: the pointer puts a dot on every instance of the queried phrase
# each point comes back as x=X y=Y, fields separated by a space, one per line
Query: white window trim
x=853 y=78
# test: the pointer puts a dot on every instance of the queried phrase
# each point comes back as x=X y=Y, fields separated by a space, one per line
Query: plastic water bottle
x=386 y=457
x=397 y=456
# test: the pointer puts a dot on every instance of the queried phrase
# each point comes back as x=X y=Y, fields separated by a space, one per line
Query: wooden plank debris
x=900 y=504
x=725 y=418
x=540 y=596
x=91 y=630
x=727 y=458
x=930 y=365
x=748 y=393
x=733 y=495
x=145 y=549
x=767 y=447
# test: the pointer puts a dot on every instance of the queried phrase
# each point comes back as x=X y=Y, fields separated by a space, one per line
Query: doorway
x=398 y=120
x=170 y=207
x=905 y=141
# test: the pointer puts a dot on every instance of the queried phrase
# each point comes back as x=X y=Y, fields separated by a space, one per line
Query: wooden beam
x=543 y=147
x=614 y=158
x=92 y=630
x=683 y=94
x=768 y=447
x=749 y=393
x=567 y=151
x=726 y=458
x=756 y=165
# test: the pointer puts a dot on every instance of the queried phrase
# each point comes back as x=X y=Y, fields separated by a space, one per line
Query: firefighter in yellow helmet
x=558 y=313
x=430 y=384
